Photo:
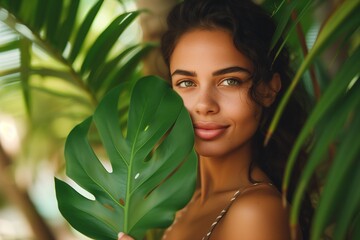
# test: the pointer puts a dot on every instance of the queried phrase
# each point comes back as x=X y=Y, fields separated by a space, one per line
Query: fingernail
x=120 y=235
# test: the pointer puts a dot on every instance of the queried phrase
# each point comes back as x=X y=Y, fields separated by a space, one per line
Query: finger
x=123 y=236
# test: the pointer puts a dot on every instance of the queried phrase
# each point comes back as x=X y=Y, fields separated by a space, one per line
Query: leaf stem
x=305 y=50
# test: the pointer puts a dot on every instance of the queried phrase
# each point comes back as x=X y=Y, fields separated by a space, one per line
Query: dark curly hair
x=252 y=30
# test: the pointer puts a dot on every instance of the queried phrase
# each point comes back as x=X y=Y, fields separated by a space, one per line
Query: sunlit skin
x=214 y=83
x=213 y=79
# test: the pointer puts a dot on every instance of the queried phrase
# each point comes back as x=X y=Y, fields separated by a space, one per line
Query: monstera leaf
x=153 y=167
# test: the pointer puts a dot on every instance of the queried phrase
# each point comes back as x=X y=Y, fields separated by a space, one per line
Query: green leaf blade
x=40 y=17
x=84 y=29
x=326 y=36
x=334 y=92
x=96 y=78
x=54 y=11
x=335 y=120
x=175 y=190
x=67 y=26
x=345 y=160
x=151 y=176
x=351 y=205
x=285 y=12
x=83 y=166
x=128 y=69
x=25 y=72
x=102 y=45
x=74 y=207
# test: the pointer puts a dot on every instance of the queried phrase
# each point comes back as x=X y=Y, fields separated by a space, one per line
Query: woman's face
x=213 y=78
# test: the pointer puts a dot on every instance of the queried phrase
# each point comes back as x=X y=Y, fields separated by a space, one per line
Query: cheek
x=188 y=104
x=187 y=100
x=253 y=109
x=246 y=114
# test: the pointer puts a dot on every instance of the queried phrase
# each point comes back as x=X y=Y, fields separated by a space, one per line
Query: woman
x=220 y=61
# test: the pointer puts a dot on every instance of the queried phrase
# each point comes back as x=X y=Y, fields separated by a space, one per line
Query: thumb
x=123 y=236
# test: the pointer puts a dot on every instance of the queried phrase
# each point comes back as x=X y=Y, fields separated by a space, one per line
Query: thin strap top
x=226 y=209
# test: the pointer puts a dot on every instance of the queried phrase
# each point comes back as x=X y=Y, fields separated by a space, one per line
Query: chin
x=209 y=152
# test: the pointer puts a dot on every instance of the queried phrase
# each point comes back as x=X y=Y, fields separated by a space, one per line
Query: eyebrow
x=230 y=70
x=184 y=73
x=216 y=73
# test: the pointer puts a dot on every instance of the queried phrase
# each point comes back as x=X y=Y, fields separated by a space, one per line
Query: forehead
x=207 y=48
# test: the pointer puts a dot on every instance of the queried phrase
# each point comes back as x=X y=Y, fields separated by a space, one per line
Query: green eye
x=231 y=82
x=186 y=84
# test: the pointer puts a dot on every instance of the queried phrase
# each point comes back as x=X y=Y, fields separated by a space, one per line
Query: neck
x=224 y=173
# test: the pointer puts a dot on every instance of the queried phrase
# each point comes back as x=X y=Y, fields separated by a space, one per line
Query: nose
x=207 y=102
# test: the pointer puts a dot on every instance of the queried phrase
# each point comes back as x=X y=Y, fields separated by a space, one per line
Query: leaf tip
x=284 y=200
x=294 y=231
x=268 y=135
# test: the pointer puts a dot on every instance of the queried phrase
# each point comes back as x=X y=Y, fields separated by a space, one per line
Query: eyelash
x=184 y=82
x=236 y=82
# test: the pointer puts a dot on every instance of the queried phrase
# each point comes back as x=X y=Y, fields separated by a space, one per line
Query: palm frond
x=331 y=31
x=56 y=28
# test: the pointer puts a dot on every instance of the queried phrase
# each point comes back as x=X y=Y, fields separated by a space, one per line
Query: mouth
x=209 y=131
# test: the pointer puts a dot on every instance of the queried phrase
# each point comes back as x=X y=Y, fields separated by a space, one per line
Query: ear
x=268 y=91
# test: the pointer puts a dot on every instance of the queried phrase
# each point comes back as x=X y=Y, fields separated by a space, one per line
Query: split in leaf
x=153 y=168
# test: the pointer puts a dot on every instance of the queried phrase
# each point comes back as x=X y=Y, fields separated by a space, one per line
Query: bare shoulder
x=258 y=214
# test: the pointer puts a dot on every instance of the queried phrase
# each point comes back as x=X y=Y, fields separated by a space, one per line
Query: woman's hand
x=123 y=236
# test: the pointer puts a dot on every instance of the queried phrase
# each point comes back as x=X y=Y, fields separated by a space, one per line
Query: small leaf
x=27 y=11
x=50 y=72
x=284 y=13
x=25 y=57
x=9 y=45
x=103 y=44
x=84 y=29
x=153 y=167
x=67 y=26
x=68 y=96
x=40 y=15
x=291 y=29
x=96 y=77
x=54 y=11
x=128 y=69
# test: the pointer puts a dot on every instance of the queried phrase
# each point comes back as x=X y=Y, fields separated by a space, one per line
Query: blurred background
x=45 y=90
x=59 y=57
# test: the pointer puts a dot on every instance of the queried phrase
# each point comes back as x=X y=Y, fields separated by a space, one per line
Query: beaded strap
x=224 y=211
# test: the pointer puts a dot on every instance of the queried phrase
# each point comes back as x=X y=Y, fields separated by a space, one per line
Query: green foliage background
x=58 y=59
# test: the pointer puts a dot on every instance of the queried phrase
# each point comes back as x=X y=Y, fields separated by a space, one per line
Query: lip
x=209 y=130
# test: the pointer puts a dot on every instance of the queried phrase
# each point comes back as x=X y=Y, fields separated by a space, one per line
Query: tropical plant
x=153 y=169
x=61 y=57
x=334 y=120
